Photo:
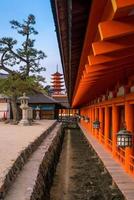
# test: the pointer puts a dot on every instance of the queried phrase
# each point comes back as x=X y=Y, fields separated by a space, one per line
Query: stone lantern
x=24 y=107
x=37 y=113
x=30 y=114
x=124 y=138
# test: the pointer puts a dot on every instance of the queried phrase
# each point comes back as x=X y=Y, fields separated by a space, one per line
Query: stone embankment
x=18 y=164
x=35 y=179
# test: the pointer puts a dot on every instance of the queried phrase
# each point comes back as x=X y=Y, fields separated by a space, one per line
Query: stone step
x=29 y=184
x=17 y=165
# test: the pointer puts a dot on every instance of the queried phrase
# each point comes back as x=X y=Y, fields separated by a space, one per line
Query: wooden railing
x=102 y=139
x=109 y=144
x=120 y=153
x=132 y=165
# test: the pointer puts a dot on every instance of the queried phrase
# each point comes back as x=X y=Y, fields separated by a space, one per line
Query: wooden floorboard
x=123 y=180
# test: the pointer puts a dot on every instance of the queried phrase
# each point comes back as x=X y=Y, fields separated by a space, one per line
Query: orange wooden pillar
x=129 y=125
x=90 y=116
x=115 y=128
x=101 y=122
x=106 y=133
x=93 y=118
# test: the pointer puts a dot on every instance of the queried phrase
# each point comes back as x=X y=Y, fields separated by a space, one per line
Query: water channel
x=79 y=174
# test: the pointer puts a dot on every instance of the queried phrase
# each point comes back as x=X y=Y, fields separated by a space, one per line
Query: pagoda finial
x=57 y=67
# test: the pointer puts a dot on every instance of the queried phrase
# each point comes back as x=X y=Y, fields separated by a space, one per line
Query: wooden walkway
x=123 y=181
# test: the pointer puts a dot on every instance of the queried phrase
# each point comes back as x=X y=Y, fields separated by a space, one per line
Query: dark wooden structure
x=49 y=107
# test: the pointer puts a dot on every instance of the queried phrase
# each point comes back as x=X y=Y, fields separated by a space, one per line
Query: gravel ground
x=80 y=175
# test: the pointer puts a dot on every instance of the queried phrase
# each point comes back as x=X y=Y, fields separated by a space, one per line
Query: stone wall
x=20 y=162
x=47 y=169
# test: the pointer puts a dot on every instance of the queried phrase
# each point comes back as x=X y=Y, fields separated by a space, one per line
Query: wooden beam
x=105 y=47
x=117 y=56
x=122 y=5
x=113 y=28
x=104 y=73
x=90 y=34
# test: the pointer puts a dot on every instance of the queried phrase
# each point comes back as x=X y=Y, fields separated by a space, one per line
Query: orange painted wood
x=106 y=132
x=117 y=9
x=122 y=8
x=129 y=119
x=94 y=18
x=90 y=119
x=115 y=128
x=105 y=47
x=113 y=28
x=121 y=4
x=96 y=75
x=108 y=12
x=101 y=131
x=123 y=181
x=93 y=118
x=113 y=57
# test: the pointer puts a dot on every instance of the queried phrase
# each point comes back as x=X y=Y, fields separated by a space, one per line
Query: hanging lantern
x=87 y=119
x=124 y=138
x=96 y=124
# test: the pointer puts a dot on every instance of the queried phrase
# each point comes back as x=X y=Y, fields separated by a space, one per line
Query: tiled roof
x=41 y=98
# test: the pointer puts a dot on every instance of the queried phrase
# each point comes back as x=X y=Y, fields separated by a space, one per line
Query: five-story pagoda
x=57 y=83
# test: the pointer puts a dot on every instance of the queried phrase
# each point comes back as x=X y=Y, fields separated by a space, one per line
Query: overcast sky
x=46 y=40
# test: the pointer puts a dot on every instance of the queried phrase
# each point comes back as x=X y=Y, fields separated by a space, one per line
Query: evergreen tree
x=22 y=64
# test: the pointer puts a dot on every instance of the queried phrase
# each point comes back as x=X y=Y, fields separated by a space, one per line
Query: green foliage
x=15 y=85
x=23 y=64
x=26 y=58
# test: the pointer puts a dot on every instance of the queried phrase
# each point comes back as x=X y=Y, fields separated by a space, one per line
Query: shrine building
x=96 y=42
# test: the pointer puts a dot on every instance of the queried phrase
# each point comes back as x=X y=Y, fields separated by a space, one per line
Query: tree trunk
x=15 y=109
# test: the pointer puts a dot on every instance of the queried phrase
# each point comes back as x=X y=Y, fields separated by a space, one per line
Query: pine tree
x=22 y=64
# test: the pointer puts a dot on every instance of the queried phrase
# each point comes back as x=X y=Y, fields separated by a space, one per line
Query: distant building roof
x=41 y=98
x=57 y=74
x=62 y=99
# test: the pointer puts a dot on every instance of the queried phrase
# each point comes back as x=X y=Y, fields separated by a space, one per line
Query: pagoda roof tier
x=55 y=77
x=58 y=89
x=59 y=86
x=54 y=85
x=57 y=74
x=57 y=81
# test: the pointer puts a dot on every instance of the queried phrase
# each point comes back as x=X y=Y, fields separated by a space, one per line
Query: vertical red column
x=92 y=120
x=129 y=125
x=101 y=122
x=115 y=128
x=106 y=133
